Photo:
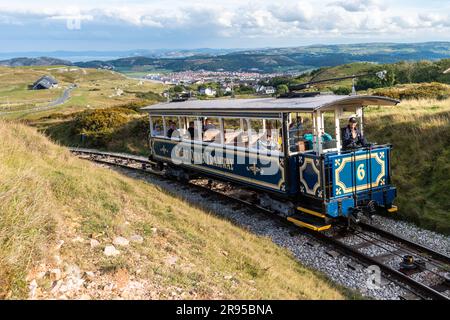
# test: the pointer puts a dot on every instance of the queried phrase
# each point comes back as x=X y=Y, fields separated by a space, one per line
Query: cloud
x=232 y=19
x=360 y=5
x=299 y=12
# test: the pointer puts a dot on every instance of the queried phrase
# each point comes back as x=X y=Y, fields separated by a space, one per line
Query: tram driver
x=352 y=136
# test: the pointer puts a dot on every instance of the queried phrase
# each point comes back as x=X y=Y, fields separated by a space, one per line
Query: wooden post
x=222 y=134
x=164 y=126
x=337 y=115
x=151 y=125
x=319 y=130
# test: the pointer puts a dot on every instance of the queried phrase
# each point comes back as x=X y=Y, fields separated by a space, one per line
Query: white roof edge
x=365 y=100
x=272 y=104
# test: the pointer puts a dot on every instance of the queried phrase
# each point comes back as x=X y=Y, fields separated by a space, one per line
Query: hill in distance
x=286 y=59
x=264 y=60
x=28 y=62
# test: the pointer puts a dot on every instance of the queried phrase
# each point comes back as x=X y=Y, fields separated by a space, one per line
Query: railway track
x=420 y=270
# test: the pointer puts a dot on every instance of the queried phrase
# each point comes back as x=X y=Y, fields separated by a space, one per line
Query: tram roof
x=268 y=105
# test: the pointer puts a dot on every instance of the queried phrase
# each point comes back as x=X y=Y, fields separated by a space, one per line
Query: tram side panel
x=259 y=170
x=359 y=177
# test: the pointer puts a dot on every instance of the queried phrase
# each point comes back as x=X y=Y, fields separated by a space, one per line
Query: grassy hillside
x=95 y=89
x=53 y=204
x=420 y=133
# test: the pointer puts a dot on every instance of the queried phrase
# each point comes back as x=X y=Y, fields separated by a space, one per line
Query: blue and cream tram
x=288 y=149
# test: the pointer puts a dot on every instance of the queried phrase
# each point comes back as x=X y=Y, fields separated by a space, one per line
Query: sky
x=78 y=25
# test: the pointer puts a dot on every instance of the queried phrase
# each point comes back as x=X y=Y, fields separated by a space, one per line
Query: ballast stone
x=121 y=241
x=111 y=251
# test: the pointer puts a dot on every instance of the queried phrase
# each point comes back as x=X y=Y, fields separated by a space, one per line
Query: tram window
x=183 y=126
x=244 y=135
x=265 y=134
x=172 y=127
x=300 y=132
x=273 y=134
x=158 y=127
x=255 y=132
x=232 y=131
x=211 y=130
x=192 y=125
x=328 y=134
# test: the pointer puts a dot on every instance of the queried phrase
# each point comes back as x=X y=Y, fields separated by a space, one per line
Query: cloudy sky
x=47 y=25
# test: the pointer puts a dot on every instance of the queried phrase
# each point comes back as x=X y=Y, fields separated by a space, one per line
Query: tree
x=282 y=89
x=343 y=91
x=178 y=89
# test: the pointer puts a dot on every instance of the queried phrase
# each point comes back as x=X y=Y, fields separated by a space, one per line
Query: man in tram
x=352 y=136
x=191 y=130
x=172 y=129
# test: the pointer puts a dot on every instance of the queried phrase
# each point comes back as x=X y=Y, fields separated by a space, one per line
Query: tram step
x=309 y=221
x=392 y=209
x=312 y=212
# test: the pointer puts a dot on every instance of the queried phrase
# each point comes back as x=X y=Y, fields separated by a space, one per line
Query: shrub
x=432 y=90
x=282 y=89
x=101 y=121
x=135 y=106
x=343 y=91
x=150 y=96
x=57 y=115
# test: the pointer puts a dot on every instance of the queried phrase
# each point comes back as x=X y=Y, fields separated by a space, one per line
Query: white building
x=264 y=89
x=269 y=90
x=208 y=91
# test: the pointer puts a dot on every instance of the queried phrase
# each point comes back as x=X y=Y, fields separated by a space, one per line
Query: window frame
x=244 y=121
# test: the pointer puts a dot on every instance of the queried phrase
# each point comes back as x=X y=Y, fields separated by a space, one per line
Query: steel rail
x=414 y=245
x=424 y=289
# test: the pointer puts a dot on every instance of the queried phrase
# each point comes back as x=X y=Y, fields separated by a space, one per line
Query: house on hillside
x=208 y=91
x=45 y=82
x=269 y=90
x=447 y=71
x=264 y=90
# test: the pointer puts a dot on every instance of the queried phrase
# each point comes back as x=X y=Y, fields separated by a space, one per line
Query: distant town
x=203 y=76
x=218 y=83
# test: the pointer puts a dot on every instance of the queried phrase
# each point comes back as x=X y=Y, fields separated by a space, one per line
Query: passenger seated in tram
x=352 y=136
x=172 y=129
x=268 y=141
x=209 y=125
x=309 y=139
x=296 y=126
x=210 y=132
x=157 y=130
x=296 y=141
x=191 y=130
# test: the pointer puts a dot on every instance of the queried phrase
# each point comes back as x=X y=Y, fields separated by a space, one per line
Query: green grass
x=420 y=133
x=340 y=71
x=48 y=195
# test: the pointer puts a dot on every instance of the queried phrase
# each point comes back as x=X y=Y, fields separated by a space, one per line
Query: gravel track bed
x=435 y=241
